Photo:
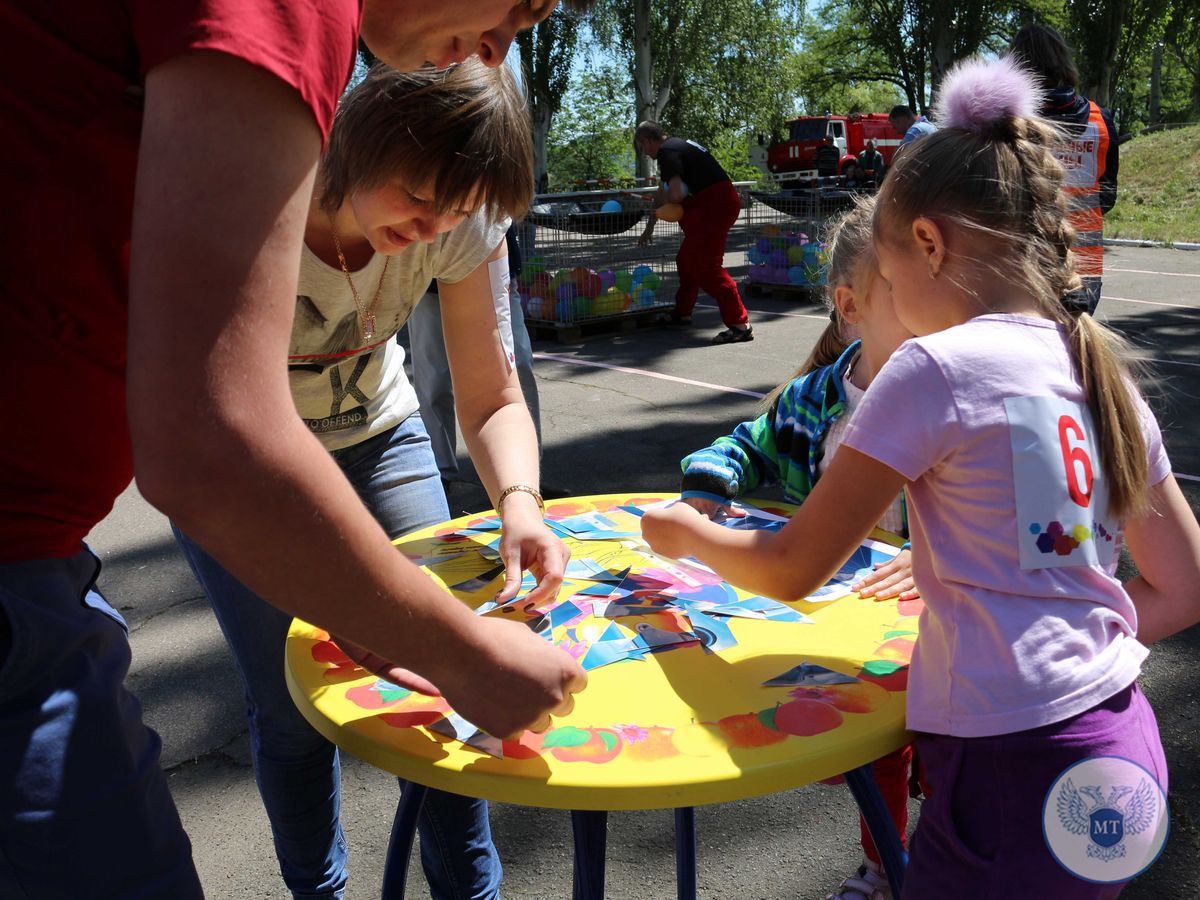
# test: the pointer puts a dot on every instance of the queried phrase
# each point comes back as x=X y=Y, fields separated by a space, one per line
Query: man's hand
x=515 y=681
x=646 y=237
x=372 y=662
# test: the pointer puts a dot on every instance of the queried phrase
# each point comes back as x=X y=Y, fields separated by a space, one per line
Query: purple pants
x=980 y=832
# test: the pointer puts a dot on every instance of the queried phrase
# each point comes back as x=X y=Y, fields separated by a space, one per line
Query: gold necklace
x=366 y=314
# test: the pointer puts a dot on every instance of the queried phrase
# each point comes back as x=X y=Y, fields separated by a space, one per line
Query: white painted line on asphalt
x=772 y=312
x=629 y=370
x=659 y=375
x=1150 y=302
x=1152 y=272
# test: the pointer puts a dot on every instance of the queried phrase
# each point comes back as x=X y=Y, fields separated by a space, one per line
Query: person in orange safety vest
x=1089 y=154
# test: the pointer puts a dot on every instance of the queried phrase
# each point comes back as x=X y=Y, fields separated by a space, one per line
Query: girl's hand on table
x=714 y=510
x=671 y=531
x=890 y=579
x=526 y=543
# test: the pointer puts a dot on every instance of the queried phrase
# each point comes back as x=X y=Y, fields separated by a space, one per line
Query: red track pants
x=707 y=217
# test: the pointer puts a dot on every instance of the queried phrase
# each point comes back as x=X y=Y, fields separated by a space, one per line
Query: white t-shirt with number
x=1013 y=549
x=347 y=389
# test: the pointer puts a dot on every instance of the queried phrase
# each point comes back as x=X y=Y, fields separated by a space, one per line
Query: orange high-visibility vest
x=1083 y=157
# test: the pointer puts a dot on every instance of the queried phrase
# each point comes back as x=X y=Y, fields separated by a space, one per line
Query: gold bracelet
x=526 y=488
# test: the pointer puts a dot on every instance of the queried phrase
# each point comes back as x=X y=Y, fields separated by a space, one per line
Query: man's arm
x=225 y=178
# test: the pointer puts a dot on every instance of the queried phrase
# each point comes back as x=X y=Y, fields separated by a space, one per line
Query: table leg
x=590 y=828
x=879 y=822
x=685 y=853
x=395 y=870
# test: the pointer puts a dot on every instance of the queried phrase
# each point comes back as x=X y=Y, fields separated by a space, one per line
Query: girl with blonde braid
x=1025 y=453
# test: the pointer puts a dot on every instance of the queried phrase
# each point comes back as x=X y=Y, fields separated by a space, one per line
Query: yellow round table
x=674 y=729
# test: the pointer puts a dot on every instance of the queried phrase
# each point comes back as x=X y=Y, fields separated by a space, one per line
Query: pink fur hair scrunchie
x=978 y=94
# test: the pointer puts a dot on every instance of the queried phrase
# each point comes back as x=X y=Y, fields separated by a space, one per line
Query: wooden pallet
x=569 y=332
x=794 y=292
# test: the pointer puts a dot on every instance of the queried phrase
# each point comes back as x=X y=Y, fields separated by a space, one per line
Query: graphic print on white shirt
x=1062 y=500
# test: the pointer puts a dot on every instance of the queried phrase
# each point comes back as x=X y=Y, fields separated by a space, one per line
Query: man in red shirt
x=157 y=172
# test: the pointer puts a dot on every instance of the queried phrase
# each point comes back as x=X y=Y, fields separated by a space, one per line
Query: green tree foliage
x=546 y=52
x=591 y=144
x=708 y=69
x=866 y=52
x=1181 y=39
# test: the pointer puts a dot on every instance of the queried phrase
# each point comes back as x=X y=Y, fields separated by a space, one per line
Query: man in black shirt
x=710 y=208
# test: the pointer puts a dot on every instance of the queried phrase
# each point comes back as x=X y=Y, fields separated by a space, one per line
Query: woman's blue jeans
x=296 y=768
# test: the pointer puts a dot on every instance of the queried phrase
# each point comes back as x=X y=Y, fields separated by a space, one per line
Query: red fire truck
x=795 y=157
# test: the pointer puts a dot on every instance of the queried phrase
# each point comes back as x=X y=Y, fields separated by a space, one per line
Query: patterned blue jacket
x=784 y=445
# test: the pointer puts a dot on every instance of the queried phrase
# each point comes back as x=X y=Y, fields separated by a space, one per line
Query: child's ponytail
x=1097 y=353
x=991 y=171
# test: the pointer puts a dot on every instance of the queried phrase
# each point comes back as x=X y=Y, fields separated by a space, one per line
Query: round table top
x=682 y=727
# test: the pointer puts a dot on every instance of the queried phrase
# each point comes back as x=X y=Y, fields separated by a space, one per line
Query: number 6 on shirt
x=1062 y=501
x=1075 y=460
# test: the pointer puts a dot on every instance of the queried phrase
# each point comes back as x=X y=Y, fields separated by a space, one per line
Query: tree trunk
x=1156 y=85
x=541 y=136
x=643 y=75
x=1196 y=86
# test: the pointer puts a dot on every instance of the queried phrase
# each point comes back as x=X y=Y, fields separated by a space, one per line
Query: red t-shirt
x=71 y=76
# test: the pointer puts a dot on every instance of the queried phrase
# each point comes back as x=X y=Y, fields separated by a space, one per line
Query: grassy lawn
x=1158 y=188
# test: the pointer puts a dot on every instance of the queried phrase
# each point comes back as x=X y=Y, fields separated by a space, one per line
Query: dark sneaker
x=734 y=336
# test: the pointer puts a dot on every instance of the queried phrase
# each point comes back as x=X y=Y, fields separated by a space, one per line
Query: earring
x=933 y=273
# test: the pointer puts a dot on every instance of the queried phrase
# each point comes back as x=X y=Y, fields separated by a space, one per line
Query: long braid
x=1096 y=352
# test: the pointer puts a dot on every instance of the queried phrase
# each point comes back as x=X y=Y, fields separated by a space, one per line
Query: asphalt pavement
x=618 y=413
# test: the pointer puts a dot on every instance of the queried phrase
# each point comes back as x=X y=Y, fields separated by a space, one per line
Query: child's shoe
x=868 y=883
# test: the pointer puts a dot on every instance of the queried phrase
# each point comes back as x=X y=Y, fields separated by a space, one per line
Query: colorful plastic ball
x=763 y=244
x=795 y=255
x=607 y=278
x=641 y=272
x=583 y=307
x=780 y=275
x=564 y=310
x=535 y=265
x=652 y=282
x=537 y=308
x=566 y=292
x=643 y=298
x=779 y=259
x=589 y=284
x=611 y=206
x=623 y=280
x=797 y=275
x=770 y=230
x=760 y=274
